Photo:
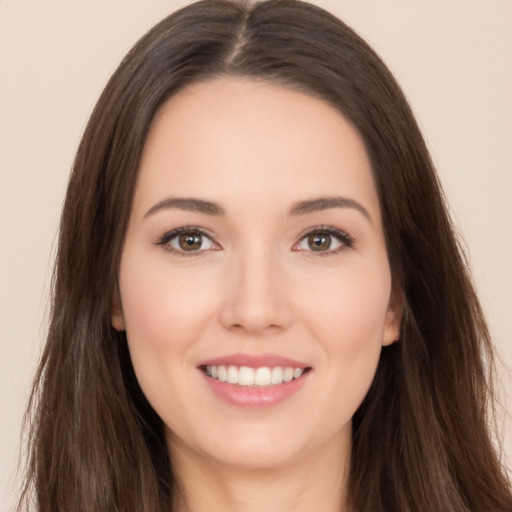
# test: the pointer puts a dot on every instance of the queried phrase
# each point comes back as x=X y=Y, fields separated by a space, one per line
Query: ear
x=116 y=313
x=393 y=320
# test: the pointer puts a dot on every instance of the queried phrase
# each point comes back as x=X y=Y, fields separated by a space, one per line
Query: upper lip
x=254 y=361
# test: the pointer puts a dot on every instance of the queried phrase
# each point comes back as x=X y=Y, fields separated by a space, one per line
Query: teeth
x=260 y=377
x=297 y=373
x=232 y=375
x=263 y=376
x=223 y=374
x=246 y=376
x=277 y=375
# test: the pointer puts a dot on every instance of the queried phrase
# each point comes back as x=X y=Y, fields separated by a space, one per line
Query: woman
x=259 y=300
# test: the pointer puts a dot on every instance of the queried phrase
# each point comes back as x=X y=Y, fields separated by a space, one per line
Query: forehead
x=234 y=138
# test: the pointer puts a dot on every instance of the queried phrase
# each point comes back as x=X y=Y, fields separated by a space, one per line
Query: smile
x=257 y=377
x=254 y=381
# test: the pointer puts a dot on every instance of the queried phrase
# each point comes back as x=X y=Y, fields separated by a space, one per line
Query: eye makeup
x=187 y=241
x=194 y=240
x=324 y=241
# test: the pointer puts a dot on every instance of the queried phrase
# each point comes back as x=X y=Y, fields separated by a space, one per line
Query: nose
x=256 y=296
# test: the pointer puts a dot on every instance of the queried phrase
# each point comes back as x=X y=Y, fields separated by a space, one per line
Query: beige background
x=453 y=59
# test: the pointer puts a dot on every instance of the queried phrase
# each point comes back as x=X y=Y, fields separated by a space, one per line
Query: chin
x=259 y=447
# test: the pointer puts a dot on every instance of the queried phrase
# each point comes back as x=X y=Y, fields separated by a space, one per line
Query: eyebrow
x=325 y=203
x=301 y=208
x=186 y=203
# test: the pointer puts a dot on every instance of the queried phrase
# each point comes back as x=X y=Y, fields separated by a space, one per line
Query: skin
x=255 y=286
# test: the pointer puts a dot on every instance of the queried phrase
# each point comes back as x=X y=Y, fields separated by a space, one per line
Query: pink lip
x=255 y=397
x=253 y=361
x=252 y=397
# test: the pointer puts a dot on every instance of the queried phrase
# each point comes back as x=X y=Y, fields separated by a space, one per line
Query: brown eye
x=187 y=240
x=190 y=241
x=324 y=240
x=319 y=242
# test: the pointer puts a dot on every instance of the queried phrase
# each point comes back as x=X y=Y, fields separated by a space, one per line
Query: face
x=255 y=288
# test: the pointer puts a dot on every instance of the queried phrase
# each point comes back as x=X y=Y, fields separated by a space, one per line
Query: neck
x=316 y=482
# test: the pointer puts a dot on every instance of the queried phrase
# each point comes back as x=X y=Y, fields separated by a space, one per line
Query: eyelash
x=346 y=240
x=164 y=240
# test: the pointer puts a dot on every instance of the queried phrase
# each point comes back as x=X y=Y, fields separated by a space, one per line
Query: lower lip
x=252 y=397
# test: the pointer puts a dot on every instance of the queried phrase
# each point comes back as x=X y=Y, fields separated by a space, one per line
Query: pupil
x=319 y=242
x=190 y=242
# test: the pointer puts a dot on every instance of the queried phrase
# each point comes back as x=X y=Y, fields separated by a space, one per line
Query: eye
x=318 y=242
x=187 y=240
x=324 y=240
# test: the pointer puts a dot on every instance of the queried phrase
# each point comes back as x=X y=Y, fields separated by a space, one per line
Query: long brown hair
x=421 y=438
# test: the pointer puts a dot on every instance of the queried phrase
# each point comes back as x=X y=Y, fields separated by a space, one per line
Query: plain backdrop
x=452 y=58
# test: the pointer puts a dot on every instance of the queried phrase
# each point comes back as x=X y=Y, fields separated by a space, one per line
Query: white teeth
x=232 y=375
x=288 y=374
x=245 y=376
x=223 y=374
x=277 y=375
x=263 y=376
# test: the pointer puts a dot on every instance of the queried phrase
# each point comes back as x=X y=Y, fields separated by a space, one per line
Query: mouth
x=254 y=381
x=259 y=377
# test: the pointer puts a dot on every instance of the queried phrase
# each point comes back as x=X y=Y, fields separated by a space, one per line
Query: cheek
x=351 y=303
x=165 y=313
x=347 y=315
x=162 y=308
